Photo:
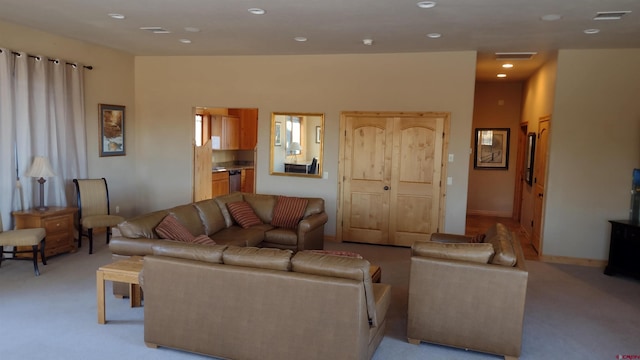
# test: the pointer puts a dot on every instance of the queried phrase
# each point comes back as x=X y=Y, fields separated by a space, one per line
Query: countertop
x=231 y=167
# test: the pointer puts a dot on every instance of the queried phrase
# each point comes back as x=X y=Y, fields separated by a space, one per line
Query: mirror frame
x=282 y=143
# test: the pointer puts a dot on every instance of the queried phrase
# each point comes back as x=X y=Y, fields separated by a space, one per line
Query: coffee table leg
x=100 y=296
x=134 y=295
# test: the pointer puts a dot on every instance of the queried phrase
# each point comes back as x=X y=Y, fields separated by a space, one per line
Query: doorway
x=392 y=173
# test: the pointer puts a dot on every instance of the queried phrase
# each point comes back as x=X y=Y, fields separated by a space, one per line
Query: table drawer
x=57 y=224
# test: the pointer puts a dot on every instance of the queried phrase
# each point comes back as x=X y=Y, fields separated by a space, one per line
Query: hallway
x=477 y=224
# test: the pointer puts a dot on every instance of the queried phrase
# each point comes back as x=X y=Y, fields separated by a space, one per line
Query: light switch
x=450 y=157
x=449 y=180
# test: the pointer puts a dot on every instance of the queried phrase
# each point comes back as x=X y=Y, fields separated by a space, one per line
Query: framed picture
x=318 y=134
x=111 y=130
x=492 y=149
x=530 y=157
x=278 y=137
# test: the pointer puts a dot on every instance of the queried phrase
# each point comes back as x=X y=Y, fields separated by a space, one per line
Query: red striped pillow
x=288 y=211
x=203 y=240
x=243 y=214
x=170 y=228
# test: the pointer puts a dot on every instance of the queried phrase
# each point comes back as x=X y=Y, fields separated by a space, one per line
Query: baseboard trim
x=331 y=239
x=506 y=214
x=573 y=261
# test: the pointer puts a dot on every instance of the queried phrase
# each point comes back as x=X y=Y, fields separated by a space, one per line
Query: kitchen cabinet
x=219 y=183
x=248 y=180
x=248 y=127
x=227 y=128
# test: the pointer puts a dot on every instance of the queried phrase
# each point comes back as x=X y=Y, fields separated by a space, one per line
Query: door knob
x=386 y=188
x=540 y=195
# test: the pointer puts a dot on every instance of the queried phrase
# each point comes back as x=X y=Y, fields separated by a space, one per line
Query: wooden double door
x=392 y=176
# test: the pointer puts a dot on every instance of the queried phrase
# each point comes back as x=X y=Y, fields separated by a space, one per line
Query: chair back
x=1 y=226
x=313 y=166
x=93 y=197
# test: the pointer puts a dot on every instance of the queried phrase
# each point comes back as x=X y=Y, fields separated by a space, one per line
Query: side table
x=126 y=271
x=58 y=224
x=624 y=249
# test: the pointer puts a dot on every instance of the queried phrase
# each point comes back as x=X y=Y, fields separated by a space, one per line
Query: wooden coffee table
x=126 y=271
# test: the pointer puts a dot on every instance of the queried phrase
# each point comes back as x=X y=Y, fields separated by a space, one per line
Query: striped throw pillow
x=170 y=228
x=288 y=211
x=243 y=214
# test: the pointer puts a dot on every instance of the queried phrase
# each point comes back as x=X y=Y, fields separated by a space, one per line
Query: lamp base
x=42 y=207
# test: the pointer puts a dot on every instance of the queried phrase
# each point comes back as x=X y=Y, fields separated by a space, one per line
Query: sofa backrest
x=142 y=226
x=210 y=215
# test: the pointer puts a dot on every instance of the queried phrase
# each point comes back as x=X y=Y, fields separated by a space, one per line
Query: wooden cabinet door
x=248 y=181
x=248 y=129
x=231 y=132
x=392 y=176
x=202 y=171
x=219 y=183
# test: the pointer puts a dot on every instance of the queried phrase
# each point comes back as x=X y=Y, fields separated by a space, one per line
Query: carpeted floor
x=572 y=312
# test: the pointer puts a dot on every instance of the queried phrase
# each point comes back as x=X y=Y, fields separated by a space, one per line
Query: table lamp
x=41 y=168
x=295 y=150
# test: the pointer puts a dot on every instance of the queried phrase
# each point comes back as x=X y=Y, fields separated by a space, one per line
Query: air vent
x=515 y=55
x=610 y=15
x=155 y=29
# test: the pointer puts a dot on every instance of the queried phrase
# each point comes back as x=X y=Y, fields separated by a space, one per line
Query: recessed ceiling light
x=507 y=66
x=367 y=42
x=300 y=38
x=156 y=29
x=502 y=75
x=257 y=11
x=185 y=41
x=426 y=4
x=591 y=31
x=434 y=35
x=117 y=16
x=192 y=29
x=551 y=17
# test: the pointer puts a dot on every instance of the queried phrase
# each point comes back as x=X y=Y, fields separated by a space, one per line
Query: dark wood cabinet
x=624 y=249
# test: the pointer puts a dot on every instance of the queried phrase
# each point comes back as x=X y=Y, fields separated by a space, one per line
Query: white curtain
x=41 y=114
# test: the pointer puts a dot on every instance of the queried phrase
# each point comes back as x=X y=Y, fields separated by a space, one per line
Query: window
x=198 y=135
x=294 y=135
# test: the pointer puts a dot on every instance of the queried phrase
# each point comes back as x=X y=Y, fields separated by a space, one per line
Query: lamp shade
x=295 y=146
x=41 y=168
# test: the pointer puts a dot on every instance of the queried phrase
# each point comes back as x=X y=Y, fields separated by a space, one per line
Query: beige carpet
x=572 y=312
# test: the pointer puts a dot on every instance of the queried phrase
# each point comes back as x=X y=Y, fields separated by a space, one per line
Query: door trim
x=341 y=162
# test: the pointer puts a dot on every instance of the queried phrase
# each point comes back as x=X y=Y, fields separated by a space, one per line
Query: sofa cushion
x=338 y=266
x=474 y=252
x=500 y=237
x=222 y=204
x=281 y=236
x=235 y=235
x=210 y=215
x=188 y=216
x=243 y=214
x=338 y=253
x=263 y=258
x=288 y=211
x=262 y=205
x=207 y=253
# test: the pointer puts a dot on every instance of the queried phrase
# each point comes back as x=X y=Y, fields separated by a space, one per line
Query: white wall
x=166 y=89
x=594 y=146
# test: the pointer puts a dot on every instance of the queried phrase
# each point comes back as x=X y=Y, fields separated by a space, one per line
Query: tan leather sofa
x=469 y=295
x=261 y=303
x=211 y=217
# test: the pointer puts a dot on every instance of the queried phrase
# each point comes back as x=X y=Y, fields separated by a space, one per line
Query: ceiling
x=226 y=27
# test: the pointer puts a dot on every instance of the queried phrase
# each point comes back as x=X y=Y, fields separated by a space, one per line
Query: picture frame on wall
x=111 y=130
x=277 y=141
x=491 y=149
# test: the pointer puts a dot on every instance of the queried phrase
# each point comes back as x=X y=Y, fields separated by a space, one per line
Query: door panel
x=540 y=169
x=392 y=172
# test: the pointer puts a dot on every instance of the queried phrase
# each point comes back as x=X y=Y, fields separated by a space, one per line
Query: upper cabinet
x=225 y=132
x=248 y=127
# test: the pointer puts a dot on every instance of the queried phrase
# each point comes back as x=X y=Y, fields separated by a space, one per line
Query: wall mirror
x=296 y=144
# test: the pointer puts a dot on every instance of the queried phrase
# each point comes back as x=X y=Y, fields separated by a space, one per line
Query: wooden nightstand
x=58 y=223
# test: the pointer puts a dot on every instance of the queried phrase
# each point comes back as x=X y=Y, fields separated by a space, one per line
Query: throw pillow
x=170 y=228
x=203 y=240
x=478 y=238
x=288 y=211
x=243 y=214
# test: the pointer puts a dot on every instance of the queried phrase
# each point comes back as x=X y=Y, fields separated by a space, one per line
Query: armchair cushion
x=473 y=252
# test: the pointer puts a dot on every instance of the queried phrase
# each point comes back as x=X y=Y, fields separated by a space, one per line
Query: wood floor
x=477 y=224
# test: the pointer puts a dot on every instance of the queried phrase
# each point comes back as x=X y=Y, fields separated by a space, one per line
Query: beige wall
x=497 y=105
x=594 y=146
x=110 y=82
x=538 y=100
x=167 y=88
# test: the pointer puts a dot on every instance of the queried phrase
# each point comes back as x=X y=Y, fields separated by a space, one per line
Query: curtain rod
x=89 y=67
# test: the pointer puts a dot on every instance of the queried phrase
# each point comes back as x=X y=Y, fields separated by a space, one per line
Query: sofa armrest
x=311 y=232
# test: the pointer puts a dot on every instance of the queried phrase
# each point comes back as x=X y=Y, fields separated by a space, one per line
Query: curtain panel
x=41 y=114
